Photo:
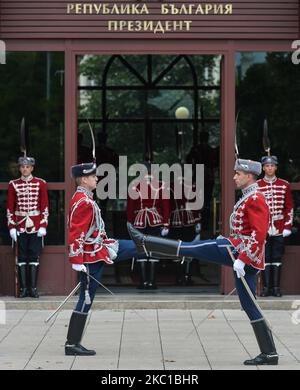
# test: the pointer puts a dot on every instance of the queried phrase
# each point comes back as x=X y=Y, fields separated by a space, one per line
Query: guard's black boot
x=75 y=331
x=266 y=278
x=152 y=283
x=266 y=345
x=265 y=292
x=276 y=281
x=33 y=280
x=143 y=276
x=188 y=276
x=153 y=246
x=179 y=273
x=23 y=281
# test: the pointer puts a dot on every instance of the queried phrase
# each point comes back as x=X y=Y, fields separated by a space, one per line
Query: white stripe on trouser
x=87 y=299
x=278 y=264
x=197 y=245
x=19 y=264
x=36 y=264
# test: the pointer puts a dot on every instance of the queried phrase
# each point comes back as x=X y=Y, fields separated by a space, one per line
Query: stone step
x=145 y=300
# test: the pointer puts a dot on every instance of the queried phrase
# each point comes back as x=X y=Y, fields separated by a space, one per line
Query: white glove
x=79 y=267
x=164 y=232
x=41 y=232
x=13 y=234
x=286 y=232
x=198 y=228
x=238 y=266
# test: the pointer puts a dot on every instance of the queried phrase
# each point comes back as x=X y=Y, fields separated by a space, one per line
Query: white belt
x=277 y=217
x=27 y=214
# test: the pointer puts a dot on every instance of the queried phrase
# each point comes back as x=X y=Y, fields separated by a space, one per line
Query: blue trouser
x=29 y=248
x=127 y=250
x=215 y=251
x=274 y=250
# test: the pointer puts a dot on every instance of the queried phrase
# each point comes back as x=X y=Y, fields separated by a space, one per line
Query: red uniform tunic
x=88 y=242
x=148 y=208
x=27 y=204
x=279 y=198
x=181 y=215
x=249 y=224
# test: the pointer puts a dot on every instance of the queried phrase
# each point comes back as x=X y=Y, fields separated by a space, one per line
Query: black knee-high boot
x=33 y=272
x=143 y=275
x=266 y=278
x=153 y=246
x=188 y=273
x=23 y=280
x=75 y=331
x=152 y=279
x=266 y=345
x=179 y=273
x=276 y=280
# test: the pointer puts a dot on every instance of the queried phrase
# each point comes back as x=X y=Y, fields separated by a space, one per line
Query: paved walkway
x=152 y=339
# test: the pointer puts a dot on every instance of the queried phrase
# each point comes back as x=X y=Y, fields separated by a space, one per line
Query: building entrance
x=163 y=109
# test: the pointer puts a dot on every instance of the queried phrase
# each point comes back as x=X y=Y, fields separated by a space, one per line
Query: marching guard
x=89 y=250
x=243 y=250
x=279 y=198
x=27 y=218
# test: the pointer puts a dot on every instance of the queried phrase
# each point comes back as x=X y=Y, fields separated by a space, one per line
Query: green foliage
x=31 y=86
x=271 y=89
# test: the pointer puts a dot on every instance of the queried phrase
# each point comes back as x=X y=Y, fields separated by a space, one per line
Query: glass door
x=131 y=102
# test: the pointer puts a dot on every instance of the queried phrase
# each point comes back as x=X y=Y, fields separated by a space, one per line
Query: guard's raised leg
x=152 y=245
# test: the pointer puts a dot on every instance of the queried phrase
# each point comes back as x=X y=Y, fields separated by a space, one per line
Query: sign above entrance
x=175 y=11
x=142 y=8
x=204 y=20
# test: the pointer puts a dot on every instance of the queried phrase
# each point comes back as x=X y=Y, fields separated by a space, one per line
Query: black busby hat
x=85 y=169
x=269 y=160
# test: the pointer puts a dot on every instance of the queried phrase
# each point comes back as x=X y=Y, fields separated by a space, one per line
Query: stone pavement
x=158 y=299
x=152 y=339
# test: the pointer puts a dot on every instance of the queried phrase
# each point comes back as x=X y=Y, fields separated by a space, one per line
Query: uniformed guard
x=184 y=225
x=249 y=224
x=279 y=198
x=27 y=217
x=89 y=249
x=149 y=211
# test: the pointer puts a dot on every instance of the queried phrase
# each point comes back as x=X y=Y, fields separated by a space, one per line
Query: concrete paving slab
x=153 y=339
